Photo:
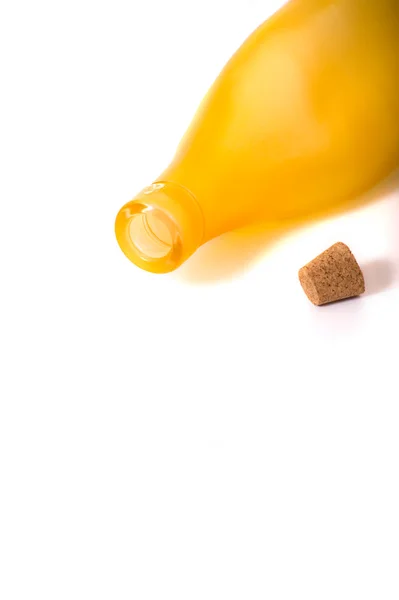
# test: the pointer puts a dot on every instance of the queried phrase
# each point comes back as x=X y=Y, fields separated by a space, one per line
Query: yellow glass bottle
x=304 y=117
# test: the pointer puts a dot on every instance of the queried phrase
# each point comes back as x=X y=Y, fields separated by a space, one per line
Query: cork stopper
x=331 y=276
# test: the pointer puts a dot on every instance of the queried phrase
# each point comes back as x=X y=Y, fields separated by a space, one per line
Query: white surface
x=208 y=434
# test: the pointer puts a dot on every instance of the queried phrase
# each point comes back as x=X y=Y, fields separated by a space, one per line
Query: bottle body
x=302 y=118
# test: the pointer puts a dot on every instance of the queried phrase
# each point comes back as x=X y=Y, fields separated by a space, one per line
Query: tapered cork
x=331 y=276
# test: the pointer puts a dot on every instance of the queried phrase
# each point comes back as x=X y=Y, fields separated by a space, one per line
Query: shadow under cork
x=379 y=275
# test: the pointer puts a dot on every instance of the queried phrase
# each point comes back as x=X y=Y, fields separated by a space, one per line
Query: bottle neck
x=160 y=228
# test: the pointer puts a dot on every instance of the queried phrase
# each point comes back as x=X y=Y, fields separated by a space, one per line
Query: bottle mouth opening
x=152 y=233
x=149 y=237
x=160 y=228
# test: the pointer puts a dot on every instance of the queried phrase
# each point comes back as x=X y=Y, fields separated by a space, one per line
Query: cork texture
x=331 y=276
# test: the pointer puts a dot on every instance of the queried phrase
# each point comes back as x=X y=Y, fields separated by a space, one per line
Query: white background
x=203 y=435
